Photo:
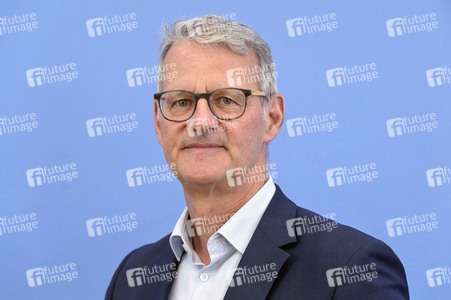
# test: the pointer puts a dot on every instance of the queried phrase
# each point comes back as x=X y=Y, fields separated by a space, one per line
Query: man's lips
x=205 y=146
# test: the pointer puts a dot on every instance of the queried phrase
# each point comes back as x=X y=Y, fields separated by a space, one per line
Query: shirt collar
x=238 y=230
x=179 y=236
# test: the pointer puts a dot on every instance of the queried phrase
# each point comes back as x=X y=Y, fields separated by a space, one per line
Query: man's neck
x=215 y=206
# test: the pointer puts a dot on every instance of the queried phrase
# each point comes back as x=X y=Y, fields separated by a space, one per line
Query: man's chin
x=202 y=177
x=208 y=154
x=203 y=169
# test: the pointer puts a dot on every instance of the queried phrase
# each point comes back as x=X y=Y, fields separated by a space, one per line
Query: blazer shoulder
x=151 y=254
x=333 y=233
x=308 y=227
x=314 y=246
x=151 y=251
x=345 y=247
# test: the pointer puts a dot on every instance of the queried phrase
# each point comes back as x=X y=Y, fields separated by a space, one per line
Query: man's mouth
x=203 y=146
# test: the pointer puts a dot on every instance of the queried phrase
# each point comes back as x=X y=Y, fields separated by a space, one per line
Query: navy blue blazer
x=315 y=263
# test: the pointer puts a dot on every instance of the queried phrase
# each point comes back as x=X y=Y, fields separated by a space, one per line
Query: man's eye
x=181 y=103
x=225 y=100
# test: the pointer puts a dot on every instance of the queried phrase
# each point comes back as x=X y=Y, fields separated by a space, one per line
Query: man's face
x=204 y=159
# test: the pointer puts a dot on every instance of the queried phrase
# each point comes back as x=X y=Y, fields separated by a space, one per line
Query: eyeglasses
x=225 y=104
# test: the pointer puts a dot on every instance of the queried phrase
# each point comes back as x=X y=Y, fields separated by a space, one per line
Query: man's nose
x=203 y=110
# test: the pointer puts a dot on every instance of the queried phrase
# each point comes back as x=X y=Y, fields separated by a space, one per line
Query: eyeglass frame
x=206 y=96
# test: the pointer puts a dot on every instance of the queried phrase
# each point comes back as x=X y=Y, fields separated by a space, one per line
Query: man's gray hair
x=217 y=31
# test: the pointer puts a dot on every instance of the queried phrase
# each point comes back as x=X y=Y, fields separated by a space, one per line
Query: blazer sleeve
x=110 y=291
x=390 y=283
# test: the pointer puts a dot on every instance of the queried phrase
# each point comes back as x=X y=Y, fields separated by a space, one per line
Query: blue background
x=101 y=89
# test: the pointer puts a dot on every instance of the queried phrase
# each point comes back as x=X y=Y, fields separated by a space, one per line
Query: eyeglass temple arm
x=258 y=93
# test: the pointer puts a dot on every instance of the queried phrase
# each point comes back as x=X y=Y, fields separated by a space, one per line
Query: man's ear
x=275 y=117
x=156 y=114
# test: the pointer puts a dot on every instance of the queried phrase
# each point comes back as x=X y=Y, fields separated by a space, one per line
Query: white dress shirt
x=226 y=247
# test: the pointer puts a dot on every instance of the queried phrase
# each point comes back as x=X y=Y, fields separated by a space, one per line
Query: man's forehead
x=206 y=67
x=189 y=54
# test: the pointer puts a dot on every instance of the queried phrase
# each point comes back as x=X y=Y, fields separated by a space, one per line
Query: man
x=240 y=236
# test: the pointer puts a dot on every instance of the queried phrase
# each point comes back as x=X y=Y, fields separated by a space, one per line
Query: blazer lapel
x=263 y=258
x=162 y=289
